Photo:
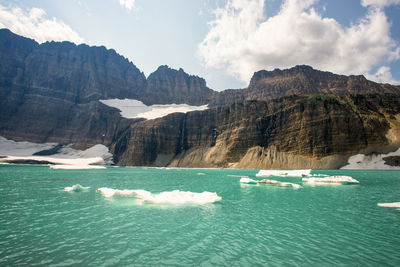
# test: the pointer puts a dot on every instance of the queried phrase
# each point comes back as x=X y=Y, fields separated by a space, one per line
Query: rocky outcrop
x=166 y=86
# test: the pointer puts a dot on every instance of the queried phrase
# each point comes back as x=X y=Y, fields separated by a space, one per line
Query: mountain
x=166 y=85
x=50 y=92
x=301 y=80
x=293 y=118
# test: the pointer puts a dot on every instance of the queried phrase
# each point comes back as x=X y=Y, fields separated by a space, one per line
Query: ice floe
x=172 y=197
x=371 y=162
x=284 y=173
x=246 y=180
x=331 y=180
x=390 y=205
x=269 y=182
x=131 y=108
x=76 y=188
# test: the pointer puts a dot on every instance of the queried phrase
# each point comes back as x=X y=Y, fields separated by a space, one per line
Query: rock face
x=295 y=118
x=50 y=92
x=302 y=80
x=295 y=131
x=166 y=86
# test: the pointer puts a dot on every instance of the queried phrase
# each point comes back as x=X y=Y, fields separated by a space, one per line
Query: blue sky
x=224 y=42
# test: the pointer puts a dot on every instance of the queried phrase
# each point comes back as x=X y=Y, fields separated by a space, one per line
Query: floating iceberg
x=270 y=182
x=289 y=173
x=173 y=197
x=246 y=180
x=76 y=167
x=331 y=180
x=278 y=183
x=76 y=188
x=390 y=205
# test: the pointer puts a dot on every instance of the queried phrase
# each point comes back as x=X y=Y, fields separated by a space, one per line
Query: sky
x=224 y=41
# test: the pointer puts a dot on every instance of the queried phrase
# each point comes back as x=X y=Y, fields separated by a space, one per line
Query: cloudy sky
x=224 y=41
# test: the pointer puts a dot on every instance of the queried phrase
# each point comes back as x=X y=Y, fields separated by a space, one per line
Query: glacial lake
x=253 y=225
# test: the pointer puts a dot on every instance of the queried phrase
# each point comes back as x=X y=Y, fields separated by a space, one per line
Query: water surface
x=253 y=225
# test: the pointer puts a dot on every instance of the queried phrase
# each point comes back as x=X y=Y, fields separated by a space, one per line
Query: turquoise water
x=253 y=225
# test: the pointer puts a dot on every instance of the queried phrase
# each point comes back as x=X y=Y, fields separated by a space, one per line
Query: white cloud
x=379 y=3
x=34 y=24
x=128 y=4
x=242 y=40
x=383 y=75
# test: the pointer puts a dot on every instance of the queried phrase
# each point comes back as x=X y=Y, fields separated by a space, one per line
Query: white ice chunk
x=178 y=197
x=109 y=192
x=278 y=183
x=76 y=188
x=76 y=167
x=331 y=179
x=131 y=108
x=173 y=197
x=390 y=205
x=246 y=180
x=284 y=173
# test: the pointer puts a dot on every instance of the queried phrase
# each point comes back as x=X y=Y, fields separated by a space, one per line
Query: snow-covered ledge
x=371 y=162
x=131 y=108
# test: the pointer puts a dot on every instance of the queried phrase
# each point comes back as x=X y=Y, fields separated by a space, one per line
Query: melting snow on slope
x=65 y=158
x=173 y=197
x=131 y=108
x=372 y=162
x=14 y=148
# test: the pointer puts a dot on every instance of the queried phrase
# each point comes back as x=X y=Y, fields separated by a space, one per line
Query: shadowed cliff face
x=312 y=127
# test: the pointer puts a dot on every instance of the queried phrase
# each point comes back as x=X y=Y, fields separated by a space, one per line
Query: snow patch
x=65 y=158
x=14 y=148
x=284 y=173
x=371 y=162
x=131 y=108
x=173 y=197
x=76 y=188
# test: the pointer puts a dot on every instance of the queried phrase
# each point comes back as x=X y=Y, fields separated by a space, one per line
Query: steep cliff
x=296 y=131
x=49 y=92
